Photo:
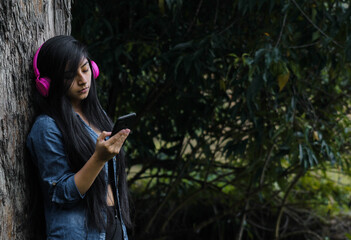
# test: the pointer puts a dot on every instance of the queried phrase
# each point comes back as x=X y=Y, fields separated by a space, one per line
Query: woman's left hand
x=107 y=149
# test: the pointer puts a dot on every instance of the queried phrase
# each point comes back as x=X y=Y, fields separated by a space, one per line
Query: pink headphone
x=43 y=83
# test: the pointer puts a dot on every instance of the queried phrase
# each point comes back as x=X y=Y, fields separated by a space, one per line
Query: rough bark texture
x=24 y=25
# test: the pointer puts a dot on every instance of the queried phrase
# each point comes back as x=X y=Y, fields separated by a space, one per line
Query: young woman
x=84 y=192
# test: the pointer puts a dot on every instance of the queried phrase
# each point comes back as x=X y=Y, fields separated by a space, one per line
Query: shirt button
x=54 y=184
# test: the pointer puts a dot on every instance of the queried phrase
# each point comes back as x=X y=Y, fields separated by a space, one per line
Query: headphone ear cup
x=43 y=85
x=95 y=69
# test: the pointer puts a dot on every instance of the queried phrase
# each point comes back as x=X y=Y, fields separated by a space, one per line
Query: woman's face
x=80 y=86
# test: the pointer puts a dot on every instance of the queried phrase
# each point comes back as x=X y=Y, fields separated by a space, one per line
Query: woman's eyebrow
x=84 y=64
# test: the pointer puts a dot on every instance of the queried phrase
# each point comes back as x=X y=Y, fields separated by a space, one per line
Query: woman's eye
x=85 y=70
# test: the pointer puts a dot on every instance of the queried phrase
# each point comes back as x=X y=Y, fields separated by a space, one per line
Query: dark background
x=242 y=113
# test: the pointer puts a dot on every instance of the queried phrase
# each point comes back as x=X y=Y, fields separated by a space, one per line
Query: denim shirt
x=65 y=212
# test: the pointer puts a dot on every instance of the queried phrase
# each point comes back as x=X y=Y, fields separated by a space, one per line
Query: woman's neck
x=79 y=111
x=77 y=107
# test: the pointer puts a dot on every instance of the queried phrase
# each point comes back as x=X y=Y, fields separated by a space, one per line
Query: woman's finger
x=103 y=135
x=119 y=143
x=120 y=137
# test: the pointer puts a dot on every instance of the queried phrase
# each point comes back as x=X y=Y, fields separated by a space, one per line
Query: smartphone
x=123 y=122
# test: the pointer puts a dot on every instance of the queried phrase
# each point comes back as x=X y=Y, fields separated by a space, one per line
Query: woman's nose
x=81 y=79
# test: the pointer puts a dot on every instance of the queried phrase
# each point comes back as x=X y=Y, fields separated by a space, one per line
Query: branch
x=281 y=30
x=153 y=98
x=168 y=195
x=243 y=219
x=302 y=232
x=266 y=162
x=305 y=45
x=196 y=15
x=216 y=14
x=200 y=226
x=204 y=184
x=315 y=26
x=277 y=226
x=180 y=206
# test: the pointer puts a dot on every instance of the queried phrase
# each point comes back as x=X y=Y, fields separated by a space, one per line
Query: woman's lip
x=84 y=90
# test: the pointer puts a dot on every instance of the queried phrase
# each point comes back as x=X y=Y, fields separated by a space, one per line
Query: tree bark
x=24 y=25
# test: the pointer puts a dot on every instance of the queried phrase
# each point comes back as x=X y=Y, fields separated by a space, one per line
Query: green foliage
x=327 y=192
x=238 y=103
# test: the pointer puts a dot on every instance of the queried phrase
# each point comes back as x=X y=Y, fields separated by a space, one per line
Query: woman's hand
x=107 y=149
x=104 y=151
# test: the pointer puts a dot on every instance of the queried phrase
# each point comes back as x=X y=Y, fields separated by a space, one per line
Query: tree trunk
x=24 y=25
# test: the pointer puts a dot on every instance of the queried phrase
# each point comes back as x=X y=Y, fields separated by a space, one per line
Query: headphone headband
x=35 y=60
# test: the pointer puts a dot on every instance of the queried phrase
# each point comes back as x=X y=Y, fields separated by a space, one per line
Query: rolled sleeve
x=46 y=147
x=66 y=191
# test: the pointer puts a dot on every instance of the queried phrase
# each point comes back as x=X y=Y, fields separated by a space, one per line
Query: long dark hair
x=62 y=54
